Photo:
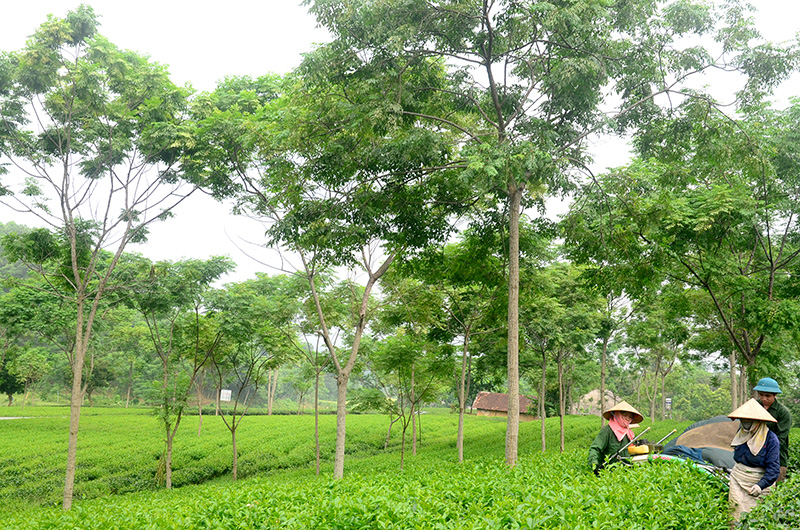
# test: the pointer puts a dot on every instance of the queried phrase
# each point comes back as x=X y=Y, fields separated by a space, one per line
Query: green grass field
x=119 y=450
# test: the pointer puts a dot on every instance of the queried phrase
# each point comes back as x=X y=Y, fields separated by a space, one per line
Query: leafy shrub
x=546 y=490
x=794 y=450
x=542 y=492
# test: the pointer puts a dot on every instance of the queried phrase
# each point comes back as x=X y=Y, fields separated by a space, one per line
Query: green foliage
x=542 y=491
x=11 y=268
x=105 y=104
x=794 y=449
x=713 y=210
x=9 y=382
x=696 y=399
x=30 y=365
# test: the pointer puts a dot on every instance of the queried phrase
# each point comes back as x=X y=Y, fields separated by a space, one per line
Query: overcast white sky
x=204 y=41
x=201 y=42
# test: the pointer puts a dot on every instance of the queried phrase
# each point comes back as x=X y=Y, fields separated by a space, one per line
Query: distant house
x=590 y=403
x=496 y=404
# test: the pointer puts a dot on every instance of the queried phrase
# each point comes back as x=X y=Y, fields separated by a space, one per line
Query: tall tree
x=337 y=185
x=659 y=331
x=525 y=82
x=312 y=348
x=415 y=370
x=257 y=320
x=471 y=277
x=715 y=209
x=10 y=383
x=94 y=132
x=171 y=299
x=561 y=317
x=412 y=316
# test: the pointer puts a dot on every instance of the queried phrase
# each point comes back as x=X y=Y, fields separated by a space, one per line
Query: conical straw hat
x=752 y=410
x=624 y=406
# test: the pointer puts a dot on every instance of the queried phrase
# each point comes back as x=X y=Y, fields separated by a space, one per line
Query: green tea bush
x=119 y=451
x=543 y=491
x=794 y=450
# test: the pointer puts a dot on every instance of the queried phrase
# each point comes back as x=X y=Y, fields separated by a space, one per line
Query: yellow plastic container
x=644 y=449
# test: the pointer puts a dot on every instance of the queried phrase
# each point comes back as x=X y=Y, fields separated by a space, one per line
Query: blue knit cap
x=768 y=385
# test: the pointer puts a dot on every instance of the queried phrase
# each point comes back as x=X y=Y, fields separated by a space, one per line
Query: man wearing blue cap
x=766 y=389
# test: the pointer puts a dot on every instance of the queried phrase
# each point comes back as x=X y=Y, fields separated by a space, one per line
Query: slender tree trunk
x=316 y=420
x=168 y=462
x=403 y=444
x=341 y=423
x=235 y=451
x=570 y=400
x=272 y=385
x=469 y=383
x=639 y=389
x=24 y=396
x=512 y=429
x=168 y=428
x=75 y=402
x=603 y=357
x=734 y=383
x=743 y=379
x=653 y=402
x=542 y=392
x=200 y=402
x=561 y=399
x=413 y=415
x=650 y=392
x=170 y=439
x=655 y=392
x=130 y=384
x=462 y=398
x=419 y=423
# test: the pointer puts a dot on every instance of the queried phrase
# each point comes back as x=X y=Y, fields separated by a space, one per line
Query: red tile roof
x=499 y=402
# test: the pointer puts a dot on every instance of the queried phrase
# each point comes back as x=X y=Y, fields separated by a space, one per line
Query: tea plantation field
x=119 y=449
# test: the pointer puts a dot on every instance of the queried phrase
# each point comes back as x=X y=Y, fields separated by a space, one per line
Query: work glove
x=755 y=491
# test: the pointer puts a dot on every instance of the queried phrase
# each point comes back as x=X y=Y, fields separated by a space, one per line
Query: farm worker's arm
x=773 y=467
x=599 y=448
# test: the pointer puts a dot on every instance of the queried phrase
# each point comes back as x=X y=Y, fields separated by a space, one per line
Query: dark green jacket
x=784 y=417
x=605 y=445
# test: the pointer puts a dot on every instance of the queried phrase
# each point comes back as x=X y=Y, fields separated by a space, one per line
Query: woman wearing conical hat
x=756 y=451
x=614 y=435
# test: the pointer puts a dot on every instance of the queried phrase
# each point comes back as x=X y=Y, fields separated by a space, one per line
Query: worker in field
x=756 y=453
x=766 y=391
x=613 y=436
